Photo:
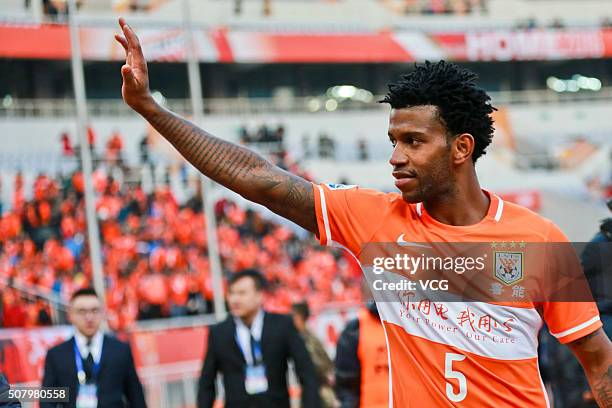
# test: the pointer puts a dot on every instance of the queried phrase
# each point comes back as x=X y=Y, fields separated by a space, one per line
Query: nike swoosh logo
x=403 y=243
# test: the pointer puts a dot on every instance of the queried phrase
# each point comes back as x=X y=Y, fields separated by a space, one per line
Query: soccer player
x=440 y=124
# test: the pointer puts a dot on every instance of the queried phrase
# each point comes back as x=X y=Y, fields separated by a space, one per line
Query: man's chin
x=411 y=197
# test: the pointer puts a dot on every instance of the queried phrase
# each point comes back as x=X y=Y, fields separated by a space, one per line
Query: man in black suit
x=5 y=401
x=251 y=348
x=98 y=369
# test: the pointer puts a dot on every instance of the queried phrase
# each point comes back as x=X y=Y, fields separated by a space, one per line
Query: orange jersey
x=454 y=354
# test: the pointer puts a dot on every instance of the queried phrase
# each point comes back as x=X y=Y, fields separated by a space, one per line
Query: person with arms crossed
x=251 y=349
x=439 y=125
x=97 y=368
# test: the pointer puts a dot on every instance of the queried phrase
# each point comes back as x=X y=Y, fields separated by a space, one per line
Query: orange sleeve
x=570 y=320
x=347 y=216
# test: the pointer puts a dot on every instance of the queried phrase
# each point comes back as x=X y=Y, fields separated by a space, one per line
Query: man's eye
x=393 y=142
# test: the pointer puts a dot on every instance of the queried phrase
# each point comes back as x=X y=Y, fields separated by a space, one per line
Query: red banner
x=502 y=45
x=34 y=41
x=23 y=351
x=289 y=47
x=222 y=45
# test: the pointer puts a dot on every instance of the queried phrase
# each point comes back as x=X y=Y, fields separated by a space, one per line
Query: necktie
x=253 y=342
x=88 y=364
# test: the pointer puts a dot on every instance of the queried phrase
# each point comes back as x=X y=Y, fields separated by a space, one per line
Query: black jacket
x=118 y=383
x=4 y=388
x=348 y=366
x=280 y=342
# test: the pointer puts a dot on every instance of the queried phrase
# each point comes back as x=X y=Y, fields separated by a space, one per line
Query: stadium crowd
x=154 y=249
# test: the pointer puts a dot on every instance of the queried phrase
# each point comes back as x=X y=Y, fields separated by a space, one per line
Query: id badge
x=256 y=381
x=88 y=396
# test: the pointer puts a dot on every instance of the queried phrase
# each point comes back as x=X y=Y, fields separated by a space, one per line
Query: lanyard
x=256 y=350
x=78 y=359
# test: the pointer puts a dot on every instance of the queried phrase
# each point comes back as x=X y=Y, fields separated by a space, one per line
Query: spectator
x=14 y=313
x=306 y=152
x=243 y=133
x=5 y=401
x=237 y=7
x=43 y=317
x=145 y=150
x=598 y=268
x=114 y=148
x=254 y=366
x=104 y=367
x=322 y=362
x=50 y=9
x=279 y=135
x=597 y=265
x=362 y=367
x=67 y=149
x=91 y=139
x=267 y=8
x=362 y=148
x=327 y=148
x=557 y=24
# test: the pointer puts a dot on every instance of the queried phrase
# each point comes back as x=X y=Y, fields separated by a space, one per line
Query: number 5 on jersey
x=449 y=373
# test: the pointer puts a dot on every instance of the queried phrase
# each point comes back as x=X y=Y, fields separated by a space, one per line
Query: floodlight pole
x=195 y=88
x=78 y=81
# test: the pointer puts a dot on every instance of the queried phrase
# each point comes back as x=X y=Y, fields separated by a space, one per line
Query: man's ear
x=463 y=147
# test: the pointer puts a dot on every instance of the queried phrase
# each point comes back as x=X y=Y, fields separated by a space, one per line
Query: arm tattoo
x=602 y=389
x=239 y=169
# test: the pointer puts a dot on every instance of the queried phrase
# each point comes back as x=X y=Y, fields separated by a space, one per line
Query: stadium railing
x=25 y=108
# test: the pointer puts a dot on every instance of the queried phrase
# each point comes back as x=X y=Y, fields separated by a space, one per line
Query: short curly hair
x=463 y=106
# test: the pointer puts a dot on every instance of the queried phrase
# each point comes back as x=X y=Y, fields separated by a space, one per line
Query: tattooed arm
x=594 y=352
x=233 y=166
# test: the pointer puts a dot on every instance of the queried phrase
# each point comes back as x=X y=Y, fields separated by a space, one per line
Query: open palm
x=135 y=89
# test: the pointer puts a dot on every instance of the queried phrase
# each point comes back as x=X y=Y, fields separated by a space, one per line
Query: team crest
x=509 y=267
x=341 y=186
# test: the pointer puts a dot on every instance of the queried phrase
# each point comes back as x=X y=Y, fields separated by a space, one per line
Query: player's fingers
x=131 y=36
x=122 y=41
x=135 y=50
x=127 y=34
x=122 y=25
x=127 y=73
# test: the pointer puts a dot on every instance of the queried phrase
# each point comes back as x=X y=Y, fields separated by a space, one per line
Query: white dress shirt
x=243 y=334
x=95 y=347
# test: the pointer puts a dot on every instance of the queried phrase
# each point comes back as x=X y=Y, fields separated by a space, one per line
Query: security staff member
x=97 y=368
x=251 y=349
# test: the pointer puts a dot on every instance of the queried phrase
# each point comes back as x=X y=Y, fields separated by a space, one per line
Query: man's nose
x=398 y=158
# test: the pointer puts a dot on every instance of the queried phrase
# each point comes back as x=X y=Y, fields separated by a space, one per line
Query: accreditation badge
x=255 y=379
x=88 y=396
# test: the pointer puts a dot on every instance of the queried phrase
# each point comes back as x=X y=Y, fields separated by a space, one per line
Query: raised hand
x=237 y=168
x=135 y=89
